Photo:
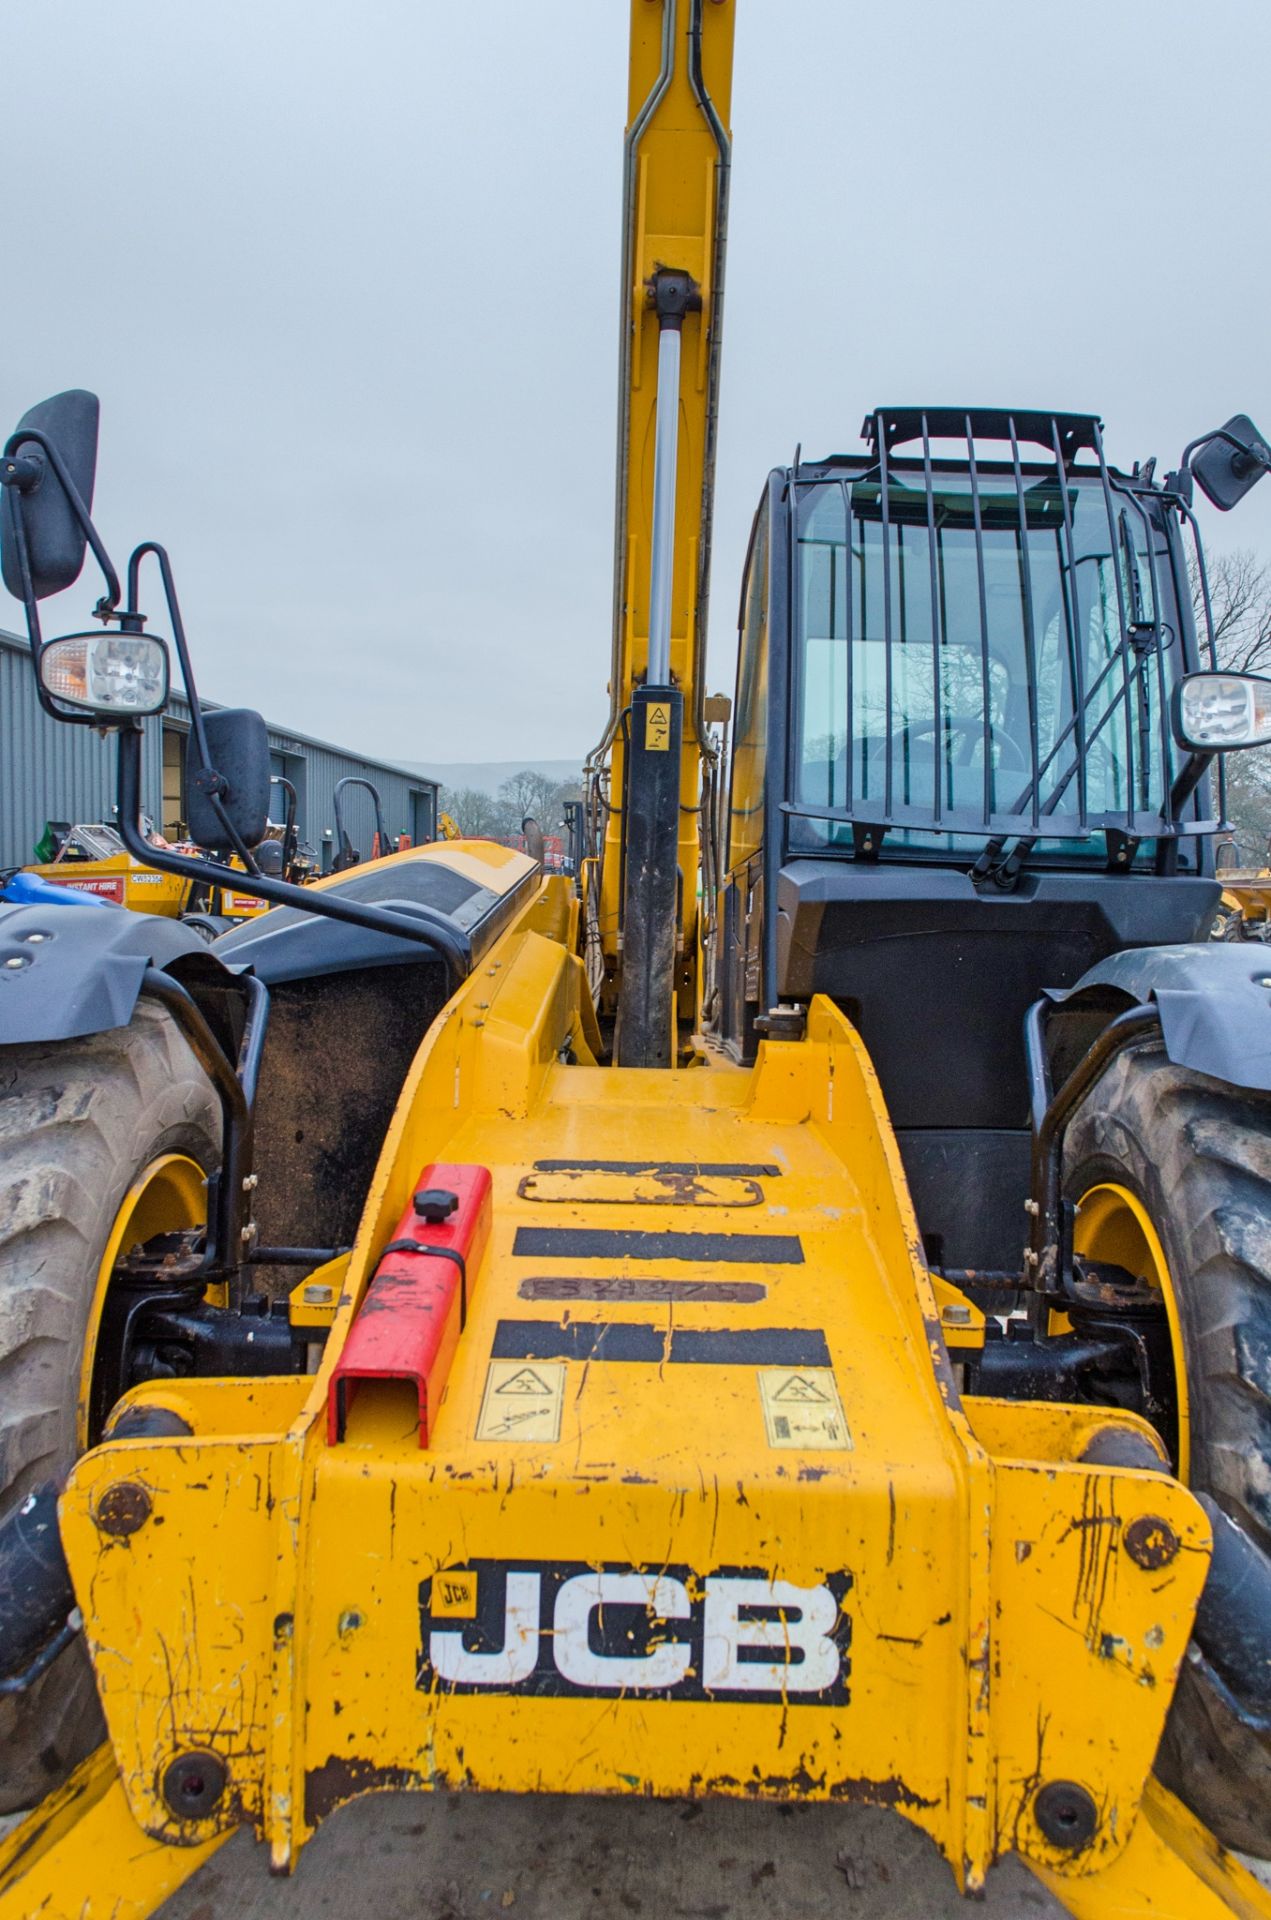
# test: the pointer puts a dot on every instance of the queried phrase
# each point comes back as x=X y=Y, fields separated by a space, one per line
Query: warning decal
x=522 y=1400
x=657 y=728
x=801 y=1408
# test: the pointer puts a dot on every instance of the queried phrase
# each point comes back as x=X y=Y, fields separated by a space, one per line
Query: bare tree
x=527 y=792
x=1240 y=602
x=476 y=813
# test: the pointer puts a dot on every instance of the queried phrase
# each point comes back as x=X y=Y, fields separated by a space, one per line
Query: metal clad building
x=54 y=772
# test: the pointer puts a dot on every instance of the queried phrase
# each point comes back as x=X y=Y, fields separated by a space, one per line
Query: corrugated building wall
x=53 y=772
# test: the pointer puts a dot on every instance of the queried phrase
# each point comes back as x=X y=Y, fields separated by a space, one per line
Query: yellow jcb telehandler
x=833 y=1363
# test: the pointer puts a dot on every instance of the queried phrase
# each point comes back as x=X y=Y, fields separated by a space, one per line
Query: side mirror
x=1225 y=473
x=238 y=748
x=55 y=540
x=1218 y=712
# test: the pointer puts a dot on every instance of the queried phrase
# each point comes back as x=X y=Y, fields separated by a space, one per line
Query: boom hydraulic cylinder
x=650 y=918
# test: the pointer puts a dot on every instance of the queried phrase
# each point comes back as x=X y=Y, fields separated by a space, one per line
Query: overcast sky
x=345 y=277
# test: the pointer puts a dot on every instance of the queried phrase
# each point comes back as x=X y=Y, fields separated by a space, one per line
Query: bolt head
x=318 y=1295
x=1150 y=1542
x=123 y=1509
x=193 y=1784
x=1066 y=1814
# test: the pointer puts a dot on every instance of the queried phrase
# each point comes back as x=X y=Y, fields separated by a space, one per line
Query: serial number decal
x=623 y=1287
x=555 y=1627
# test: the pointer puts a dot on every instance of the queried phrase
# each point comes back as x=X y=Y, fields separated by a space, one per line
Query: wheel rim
x=169 y=1197
x=1113 y=1225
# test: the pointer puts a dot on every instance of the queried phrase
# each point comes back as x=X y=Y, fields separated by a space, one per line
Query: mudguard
x=75 y=970
x=1214 y=1001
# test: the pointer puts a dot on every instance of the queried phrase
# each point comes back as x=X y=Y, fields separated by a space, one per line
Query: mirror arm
x=1188 y=778
x=425 y=926
x=160 y=553
x=208 y=778
x=1251 y=453
x=26 y=435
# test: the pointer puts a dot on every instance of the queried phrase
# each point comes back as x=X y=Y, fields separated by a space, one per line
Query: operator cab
x=953 y=770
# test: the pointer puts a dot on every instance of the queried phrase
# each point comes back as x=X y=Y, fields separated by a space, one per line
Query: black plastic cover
x=938 y=975
x=290 y=944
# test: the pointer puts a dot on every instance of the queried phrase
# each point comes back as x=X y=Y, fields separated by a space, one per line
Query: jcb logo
x=548 y=1627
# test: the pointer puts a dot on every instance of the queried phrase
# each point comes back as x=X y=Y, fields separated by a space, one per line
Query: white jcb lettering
x=513 y=1662
x=588 y=1594
x=573 y=1629
x=794 y=1621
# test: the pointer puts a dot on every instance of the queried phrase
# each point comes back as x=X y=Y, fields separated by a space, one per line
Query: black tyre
x=100 y=1139
x=209 y=926
x=1194 y=1157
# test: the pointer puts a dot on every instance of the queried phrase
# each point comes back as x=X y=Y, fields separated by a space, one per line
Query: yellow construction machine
x=92 y=859
x=832 y=1363
x=1244 y=912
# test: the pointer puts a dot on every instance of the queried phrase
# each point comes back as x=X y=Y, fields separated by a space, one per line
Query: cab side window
x=750 y=727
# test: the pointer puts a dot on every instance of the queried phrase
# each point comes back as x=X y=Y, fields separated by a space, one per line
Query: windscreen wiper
x=1005 y=871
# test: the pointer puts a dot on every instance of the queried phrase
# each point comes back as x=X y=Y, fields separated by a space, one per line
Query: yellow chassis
x=644 y=1577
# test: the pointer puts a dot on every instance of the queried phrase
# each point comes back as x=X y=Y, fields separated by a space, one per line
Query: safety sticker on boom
x=566 y=1628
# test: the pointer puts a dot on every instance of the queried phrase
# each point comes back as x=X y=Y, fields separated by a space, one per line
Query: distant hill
x=487 y=776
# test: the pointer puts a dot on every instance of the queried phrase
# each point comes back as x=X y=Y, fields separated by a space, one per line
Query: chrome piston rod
x=673 y=295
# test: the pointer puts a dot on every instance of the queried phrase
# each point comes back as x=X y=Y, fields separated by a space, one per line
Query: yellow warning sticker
x=522 y=1400
x=454 y=1595
x=657 y=727
x=801 y=1408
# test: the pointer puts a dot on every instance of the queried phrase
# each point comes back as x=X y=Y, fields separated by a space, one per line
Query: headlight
x=1214 y=712
x=112 y=674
